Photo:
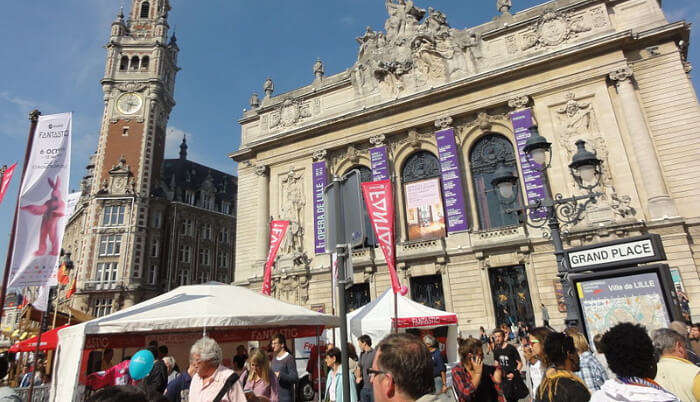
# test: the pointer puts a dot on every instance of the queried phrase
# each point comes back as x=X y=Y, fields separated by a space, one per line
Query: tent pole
x=318 y=366
x=396 y=313
x=42 y=328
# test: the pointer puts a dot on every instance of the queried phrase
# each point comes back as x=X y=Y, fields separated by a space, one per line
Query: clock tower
x=138 y=87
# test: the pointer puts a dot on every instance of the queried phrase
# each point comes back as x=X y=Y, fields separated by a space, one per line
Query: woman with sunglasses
x=534 y=355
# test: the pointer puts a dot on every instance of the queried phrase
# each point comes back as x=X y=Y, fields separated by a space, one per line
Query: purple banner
x=320 y=181
x=452 y=189
x=522 y=121
x=380 y=165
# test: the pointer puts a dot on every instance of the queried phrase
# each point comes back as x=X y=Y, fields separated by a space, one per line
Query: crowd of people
x=625 y=364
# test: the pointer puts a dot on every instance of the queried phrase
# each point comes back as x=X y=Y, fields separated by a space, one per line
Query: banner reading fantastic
x=379 y=200
x=42 y=215
x=5 y=183
x=277 y=231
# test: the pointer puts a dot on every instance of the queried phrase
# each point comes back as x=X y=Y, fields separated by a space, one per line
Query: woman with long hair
x=534 y=355
x=259 y=379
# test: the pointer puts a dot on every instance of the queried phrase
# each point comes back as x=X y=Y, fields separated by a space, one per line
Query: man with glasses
x=402 y=370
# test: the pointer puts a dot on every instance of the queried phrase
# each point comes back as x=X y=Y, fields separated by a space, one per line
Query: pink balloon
x=403 y=290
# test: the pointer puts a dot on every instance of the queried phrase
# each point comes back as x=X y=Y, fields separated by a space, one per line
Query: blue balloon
x=141 y=364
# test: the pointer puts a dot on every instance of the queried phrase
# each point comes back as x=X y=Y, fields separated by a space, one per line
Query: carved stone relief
x=292 y=204
x=291 y=288
x=413 y=53
x=290 y=113
x=577 y=120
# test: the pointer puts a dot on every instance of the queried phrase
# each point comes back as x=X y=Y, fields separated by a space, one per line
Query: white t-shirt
x=331 y=392
x=282 y=357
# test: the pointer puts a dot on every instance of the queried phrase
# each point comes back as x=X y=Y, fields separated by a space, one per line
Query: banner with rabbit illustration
x=42 y=202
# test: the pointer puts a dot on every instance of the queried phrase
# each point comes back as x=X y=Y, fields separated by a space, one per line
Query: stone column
x=659 y=204
x=263 y=214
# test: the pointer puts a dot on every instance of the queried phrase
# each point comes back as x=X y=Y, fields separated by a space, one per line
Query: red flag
x=379 y=199
x=72 y=290
x=62 y=276
x=6 y=177
x=277 y=231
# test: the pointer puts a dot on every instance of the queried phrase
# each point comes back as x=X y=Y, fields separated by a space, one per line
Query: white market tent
x=375 y=319
x=225 y=311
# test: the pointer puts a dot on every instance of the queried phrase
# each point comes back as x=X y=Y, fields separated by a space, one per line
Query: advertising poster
x=636 y=298
x=424 y=210
x=559 y=293
x=320 y=181
x=682 y=295
x=534 y=186
x=453 y=192
x=277 y=231
x=380 y=164
x=42 y=204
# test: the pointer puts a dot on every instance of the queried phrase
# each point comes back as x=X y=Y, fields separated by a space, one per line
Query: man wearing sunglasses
x=402 y=370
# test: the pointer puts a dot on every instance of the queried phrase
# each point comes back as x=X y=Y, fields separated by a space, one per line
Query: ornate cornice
x=620 y=75
x=519 y=102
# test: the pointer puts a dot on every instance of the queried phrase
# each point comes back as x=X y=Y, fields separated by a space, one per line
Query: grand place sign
x=629 y=252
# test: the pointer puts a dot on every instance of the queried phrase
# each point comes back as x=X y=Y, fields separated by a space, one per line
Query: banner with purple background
x=452 y=188
x=380 y=165
x=534 y=187
x=320 y=181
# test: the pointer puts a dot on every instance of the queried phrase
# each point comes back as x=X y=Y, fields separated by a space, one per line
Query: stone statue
x=268 y=87
x=318 y=69
x=504 y=6
x=254 y=100
x=293 y=204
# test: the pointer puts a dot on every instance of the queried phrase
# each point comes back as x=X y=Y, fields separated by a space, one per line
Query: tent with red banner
x=49 y=341
x=229 y=314
x=376 y=319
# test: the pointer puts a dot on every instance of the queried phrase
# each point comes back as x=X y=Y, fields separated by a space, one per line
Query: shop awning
x=49 y=340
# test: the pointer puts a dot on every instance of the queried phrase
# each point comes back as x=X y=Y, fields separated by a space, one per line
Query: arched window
x=484 y=157
x=135 y=63
x=422 y=189
x=144 y=62
x=124 y=63
x=145 y=8
x=365 y=176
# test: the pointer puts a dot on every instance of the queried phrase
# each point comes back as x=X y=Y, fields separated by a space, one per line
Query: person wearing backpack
x=213 y=382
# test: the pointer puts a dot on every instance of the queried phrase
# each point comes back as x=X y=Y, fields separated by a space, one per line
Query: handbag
x=515 y=389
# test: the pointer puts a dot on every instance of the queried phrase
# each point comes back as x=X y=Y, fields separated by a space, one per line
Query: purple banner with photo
x=452 y=188
x=320 y=181
x=380 y=165
x=534 y=187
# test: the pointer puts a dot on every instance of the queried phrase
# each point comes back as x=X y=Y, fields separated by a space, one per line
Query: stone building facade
x=610 y=72
x=145 y=224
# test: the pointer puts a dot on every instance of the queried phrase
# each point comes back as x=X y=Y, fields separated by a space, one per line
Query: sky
x=53 y=58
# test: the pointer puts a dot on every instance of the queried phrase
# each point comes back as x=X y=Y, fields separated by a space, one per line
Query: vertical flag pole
x=396 y=313
x=33 y=119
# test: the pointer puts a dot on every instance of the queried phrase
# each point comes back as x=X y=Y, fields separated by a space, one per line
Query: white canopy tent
x=231 y=310
x=375 y=319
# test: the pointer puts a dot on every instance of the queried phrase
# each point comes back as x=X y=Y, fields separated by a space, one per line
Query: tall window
x=365 y=177
x=101 y=306
x=225 y=207
x=425 y=215
x=145 y=8
x=124 y=63
x=222 y=259
x=113 y=215
x=110 y=245
x=204 y=256
x=185 y=253
x=183 y=277
x=206 y=231
x=427 y=290
x=144 y=62
x=187 y=227
x=223 y=235
x=155 y=248
x=106 y=274
x=135 y=63
x=156 y=219
x=189 y=197
x=484 y=158
x=153 y=274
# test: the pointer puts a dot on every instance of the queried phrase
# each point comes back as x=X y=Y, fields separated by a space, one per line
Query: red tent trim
x=49 y=340
x=412 y=322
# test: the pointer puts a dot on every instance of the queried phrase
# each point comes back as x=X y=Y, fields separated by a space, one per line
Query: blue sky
x=53 y=59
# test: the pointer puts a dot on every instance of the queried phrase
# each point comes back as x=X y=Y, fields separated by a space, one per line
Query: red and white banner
x=42 y=215
x=277 y=231
x=433 y=321
x=6 y=177
x=379 y=199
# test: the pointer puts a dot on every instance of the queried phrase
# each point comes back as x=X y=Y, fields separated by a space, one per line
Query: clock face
x=129 y=103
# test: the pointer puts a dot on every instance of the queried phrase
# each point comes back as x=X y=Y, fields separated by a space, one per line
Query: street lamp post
x=556 y=211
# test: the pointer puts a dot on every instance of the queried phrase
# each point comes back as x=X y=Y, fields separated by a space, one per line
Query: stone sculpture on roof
x=418 y=50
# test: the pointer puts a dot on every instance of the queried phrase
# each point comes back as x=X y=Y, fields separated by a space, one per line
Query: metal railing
x=39 y=394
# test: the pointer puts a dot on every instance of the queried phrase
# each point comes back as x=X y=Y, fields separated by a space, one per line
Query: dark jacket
x=288 y=376
x=157 y=379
